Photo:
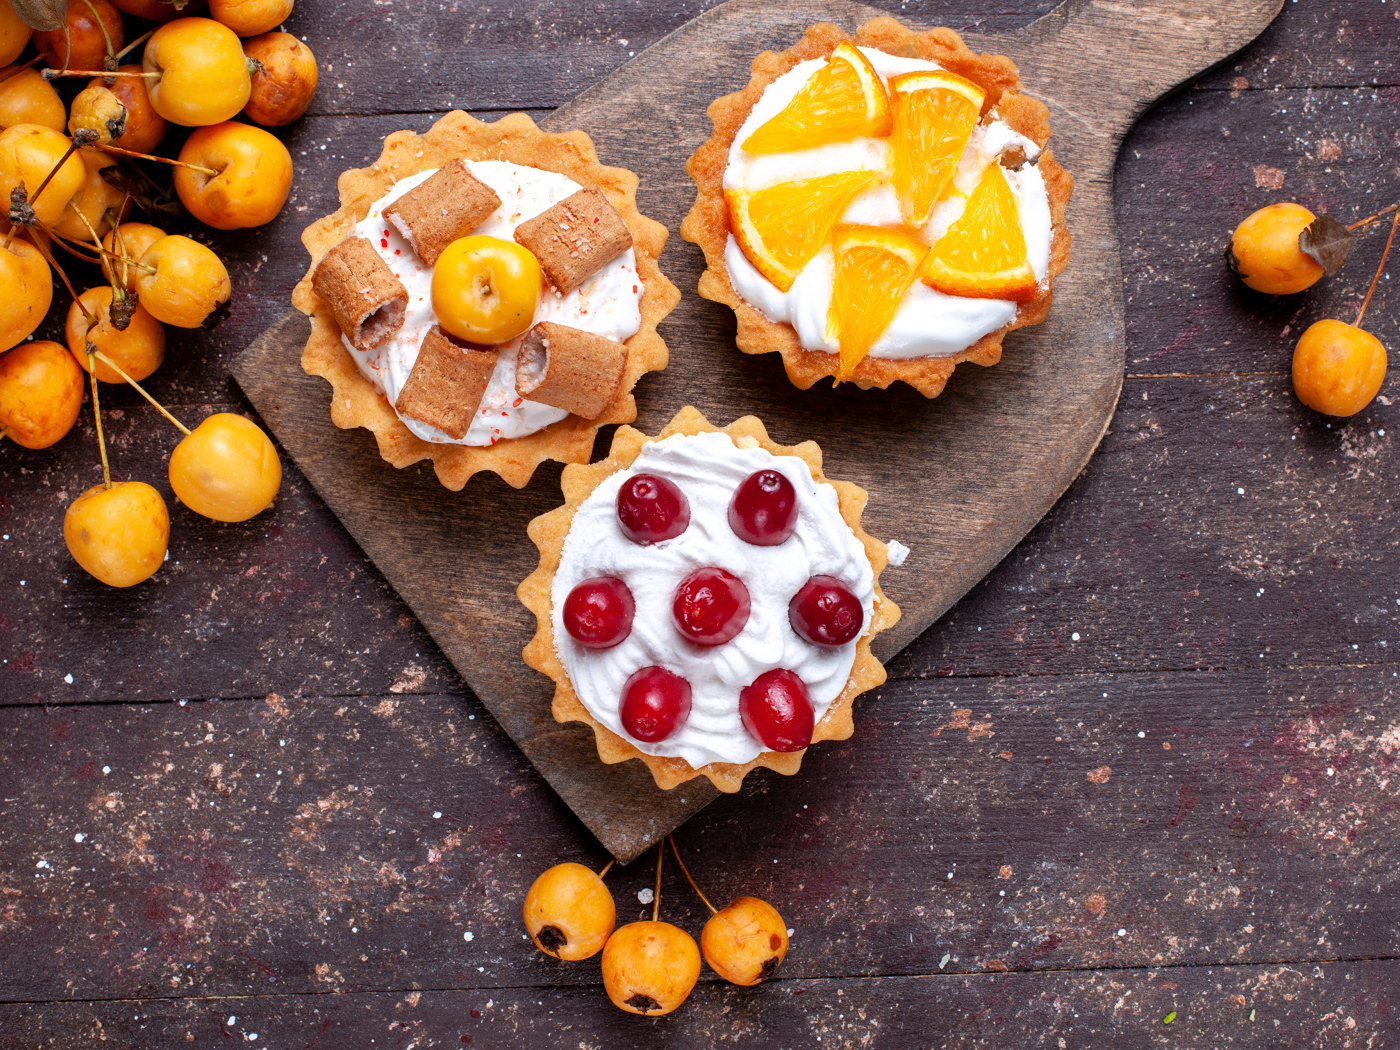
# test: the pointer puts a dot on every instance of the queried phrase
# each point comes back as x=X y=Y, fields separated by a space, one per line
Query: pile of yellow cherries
x=650 y=967
x=70 y=183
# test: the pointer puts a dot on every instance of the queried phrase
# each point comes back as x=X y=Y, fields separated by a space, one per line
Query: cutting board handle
x=1130 y=54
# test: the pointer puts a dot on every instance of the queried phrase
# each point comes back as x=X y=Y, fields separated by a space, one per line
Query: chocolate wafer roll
x=570 y=369
x=366 y=299
x=449 y=204
x=575 y=239
x=447 y=383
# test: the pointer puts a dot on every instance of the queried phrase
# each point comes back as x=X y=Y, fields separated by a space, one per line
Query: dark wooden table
x=1148 y=770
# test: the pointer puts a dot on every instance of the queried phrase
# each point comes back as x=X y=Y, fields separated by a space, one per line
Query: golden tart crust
x=515 y=138
x=707 y=223
x=550 y=530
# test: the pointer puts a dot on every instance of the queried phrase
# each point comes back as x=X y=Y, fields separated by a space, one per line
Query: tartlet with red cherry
x=706 y=601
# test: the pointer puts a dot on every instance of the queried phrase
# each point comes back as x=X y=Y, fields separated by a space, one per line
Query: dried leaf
x=121 y=311
x=21 y=214
x=1327 y=241
x=46 y=16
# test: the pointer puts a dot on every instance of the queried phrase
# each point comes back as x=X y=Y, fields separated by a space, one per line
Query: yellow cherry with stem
x=42 y=161
x=123 y=247
x=226 y=469
x=202 y=76
x=1338 y=368
x=650 y=968
x=138 y=349
x=744 y=942
x=118 y=532
x=569 y=911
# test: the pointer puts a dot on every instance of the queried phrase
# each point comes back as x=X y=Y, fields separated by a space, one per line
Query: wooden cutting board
x=959 y=479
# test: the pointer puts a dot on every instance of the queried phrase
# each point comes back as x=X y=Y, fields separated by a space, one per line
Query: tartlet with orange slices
x=880 y=208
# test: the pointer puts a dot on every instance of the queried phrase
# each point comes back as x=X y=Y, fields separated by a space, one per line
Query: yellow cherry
x=569 y=912
x=27 y=98
x=28 y=152
x=650 y=968
x=226 y=469
x=1338 y=368
x=41 y=392
x=14 y=34
x=26 y=291
x=1264 y=250
x=250 y=17
x=129 y=241
x=485 y=289
x=189 y=286
x=745 y=942
x=118 y=534
x=96 y=206
x=203 y=74
x=138 y=349
x=254 y=176
x=284 y=82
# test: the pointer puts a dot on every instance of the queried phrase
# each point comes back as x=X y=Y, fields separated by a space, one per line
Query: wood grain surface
x=938 y=475
x=1251 y=867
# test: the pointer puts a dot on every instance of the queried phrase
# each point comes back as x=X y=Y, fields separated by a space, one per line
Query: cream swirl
x=708 y=468
x=928 y=323
x=607 y=304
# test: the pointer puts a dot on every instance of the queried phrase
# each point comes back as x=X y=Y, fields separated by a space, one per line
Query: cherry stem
x=164 y=160
x=656 y=898
x=607 y=867
x=54 y=74
x=48 y=257
x=72 y=148
x=97 y=416
x=139 y=40
x=158 y=406
x=671 y=839
x=1372 y=218
x=1388 y=242
x=17 y=70
x=106 y=37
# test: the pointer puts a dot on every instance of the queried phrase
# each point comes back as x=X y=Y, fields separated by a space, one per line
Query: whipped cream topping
x=928 y=323
x=607 y=304
x=708 y=468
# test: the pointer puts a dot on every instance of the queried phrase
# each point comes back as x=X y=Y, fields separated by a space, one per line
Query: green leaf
x=46 y=16
x=1327 y=241
x=1169 y=1018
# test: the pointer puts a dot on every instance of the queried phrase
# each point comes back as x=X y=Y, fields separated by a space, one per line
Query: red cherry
x=711 y=606
x=764 y=509
x=651 y=509
x=777 y=711
x=655 y=703
x=598 y=612
x=825 y=612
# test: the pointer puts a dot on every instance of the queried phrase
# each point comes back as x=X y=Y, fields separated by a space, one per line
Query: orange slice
x=875 y=266
x=781 y=227
x=843 y=100
x=983 y=254
x=934 y=114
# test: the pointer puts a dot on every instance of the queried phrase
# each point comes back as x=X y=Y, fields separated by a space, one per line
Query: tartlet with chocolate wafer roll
x=705 y=601
x=879 y=208
x=486 y=297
